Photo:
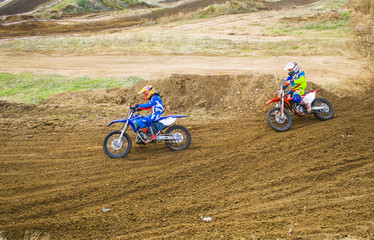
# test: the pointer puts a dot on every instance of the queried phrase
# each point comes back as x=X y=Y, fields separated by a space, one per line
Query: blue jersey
x=155 y=104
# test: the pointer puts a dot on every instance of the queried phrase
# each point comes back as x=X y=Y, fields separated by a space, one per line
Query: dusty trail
x=153 y=67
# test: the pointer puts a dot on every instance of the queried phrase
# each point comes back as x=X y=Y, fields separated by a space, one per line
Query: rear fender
x=176 y=116
x=167 y=121
x=310 y=96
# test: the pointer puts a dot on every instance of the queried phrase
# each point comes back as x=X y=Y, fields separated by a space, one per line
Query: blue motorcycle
x=117 y=144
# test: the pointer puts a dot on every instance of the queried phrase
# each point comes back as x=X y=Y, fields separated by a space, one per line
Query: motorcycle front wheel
x=326 y=111
x=114 y=147
x=181 y=135
x=277 y=122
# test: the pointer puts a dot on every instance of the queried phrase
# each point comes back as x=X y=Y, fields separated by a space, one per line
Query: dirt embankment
x=37 y=28
x=363 y=26
x=312 y=182
x=236 y=94
x=53 y=28
x=22 y=6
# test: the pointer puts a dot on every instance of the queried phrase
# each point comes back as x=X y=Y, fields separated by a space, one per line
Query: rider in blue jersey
x=156 y=106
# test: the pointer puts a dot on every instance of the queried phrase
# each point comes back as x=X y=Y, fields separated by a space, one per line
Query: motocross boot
x=139 y=141
x=143 y=134
x=151 y=135
x=307 y=106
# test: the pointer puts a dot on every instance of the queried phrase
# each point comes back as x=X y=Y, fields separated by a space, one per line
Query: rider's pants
x=143 y=122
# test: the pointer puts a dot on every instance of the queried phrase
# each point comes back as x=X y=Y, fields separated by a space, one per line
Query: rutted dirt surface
x=314 y=181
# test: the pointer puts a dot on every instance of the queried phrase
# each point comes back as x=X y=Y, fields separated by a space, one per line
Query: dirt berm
x=22 y=6
x=314 y=181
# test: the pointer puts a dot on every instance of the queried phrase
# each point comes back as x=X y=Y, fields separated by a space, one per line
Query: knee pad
x=296 y=98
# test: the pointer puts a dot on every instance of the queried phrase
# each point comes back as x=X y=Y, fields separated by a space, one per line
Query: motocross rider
x=296 y=77
x=156 y=106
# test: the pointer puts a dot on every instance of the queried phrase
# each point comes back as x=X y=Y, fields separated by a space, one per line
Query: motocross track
x=314 y=181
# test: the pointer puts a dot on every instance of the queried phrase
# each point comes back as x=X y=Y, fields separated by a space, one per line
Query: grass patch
x=33 y=88
x=242 y=6
x=230 y=8
x=183 y=42
x=144 y=42
x=302 y=47
x=69 y=6
x=332 y=4
x=339 y=28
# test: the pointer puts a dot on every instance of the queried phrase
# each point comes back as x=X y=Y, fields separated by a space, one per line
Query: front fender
x=277 y=99
x=116 y=121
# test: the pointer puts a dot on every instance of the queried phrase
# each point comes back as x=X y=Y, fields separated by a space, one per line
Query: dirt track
x=312 y=182
x=316 y=179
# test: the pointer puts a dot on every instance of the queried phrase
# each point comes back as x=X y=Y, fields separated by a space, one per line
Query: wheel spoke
x=115 y=147
x=181 y=137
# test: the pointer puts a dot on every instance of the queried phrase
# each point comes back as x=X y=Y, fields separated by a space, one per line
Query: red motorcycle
x=279 y=117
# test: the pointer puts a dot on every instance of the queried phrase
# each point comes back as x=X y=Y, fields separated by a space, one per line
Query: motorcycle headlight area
x=279 y=92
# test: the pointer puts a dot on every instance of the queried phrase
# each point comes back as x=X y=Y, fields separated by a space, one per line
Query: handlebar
x=284 y=85
x=135 y=109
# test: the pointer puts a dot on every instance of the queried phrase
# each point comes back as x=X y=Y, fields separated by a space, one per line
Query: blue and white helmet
x=292 y=68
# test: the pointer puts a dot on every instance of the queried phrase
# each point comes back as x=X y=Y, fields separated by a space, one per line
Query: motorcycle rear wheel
x=278 y=123
x=323 y=115
x=115 y=148
x=182 y=137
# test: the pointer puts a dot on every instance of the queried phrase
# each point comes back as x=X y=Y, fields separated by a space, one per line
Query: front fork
x=281 y=105
x=125 y=126
x=124 y=129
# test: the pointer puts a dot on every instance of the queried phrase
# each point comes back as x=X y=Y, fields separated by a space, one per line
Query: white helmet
x=292 y=68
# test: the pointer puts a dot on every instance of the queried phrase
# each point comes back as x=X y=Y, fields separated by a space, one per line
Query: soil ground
x=314 y=181
x=21 y=6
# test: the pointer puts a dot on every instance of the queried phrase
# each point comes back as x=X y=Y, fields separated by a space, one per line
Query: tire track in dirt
x=250 y=179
